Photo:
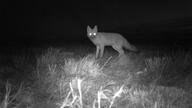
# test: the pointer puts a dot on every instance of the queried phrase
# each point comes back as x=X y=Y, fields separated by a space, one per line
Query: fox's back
x=110 y=38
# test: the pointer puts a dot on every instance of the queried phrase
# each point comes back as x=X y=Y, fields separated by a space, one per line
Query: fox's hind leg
x=119 y=49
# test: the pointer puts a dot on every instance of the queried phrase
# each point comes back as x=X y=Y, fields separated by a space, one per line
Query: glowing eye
x=94 y=34
x=90 y=34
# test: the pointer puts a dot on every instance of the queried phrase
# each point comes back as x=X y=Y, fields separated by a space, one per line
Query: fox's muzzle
x=92 y=36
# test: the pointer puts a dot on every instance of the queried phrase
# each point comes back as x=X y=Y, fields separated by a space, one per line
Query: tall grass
x=55 y=71
x=13 y=97
x=156 y=97
x=170 y=69
x=167 y=75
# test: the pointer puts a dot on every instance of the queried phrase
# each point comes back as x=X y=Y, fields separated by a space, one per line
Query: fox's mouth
x=92 y=36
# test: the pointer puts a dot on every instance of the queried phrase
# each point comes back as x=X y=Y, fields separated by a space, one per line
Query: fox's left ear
x=95 y=28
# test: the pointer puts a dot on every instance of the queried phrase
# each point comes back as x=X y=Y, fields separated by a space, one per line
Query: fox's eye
x=90 y=34
x=94 y=34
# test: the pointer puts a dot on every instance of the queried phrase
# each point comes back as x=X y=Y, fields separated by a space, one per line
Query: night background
x=48 y=61
x=144 y=21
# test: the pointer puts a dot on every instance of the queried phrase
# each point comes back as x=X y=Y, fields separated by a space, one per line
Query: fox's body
x=102 y=39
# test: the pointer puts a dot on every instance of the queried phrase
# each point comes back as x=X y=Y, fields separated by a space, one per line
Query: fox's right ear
x=88 y=28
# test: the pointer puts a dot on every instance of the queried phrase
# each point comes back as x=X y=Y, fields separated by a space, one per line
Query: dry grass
x=156 y=97
x=169 y=69
x=55 y=70
x=15 y=97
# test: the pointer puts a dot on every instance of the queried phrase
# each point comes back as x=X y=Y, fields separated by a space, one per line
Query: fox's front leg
x=102 y=51
x=97 y=51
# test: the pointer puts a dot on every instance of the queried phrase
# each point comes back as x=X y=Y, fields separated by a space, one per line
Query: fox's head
x=91 y=33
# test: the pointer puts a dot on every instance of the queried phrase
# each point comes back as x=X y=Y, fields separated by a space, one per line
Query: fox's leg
x=97 y=51
x=119 y=49
x=102 y=50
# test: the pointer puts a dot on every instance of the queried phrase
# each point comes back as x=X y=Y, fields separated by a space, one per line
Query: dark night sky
x=25 y=21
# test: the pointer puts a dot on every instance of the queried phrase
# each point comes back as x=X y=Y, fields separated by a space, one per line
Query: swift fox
x=102 y=39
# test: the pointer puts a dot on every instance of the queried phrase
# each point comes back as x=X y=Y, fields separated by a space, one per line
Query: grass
x=75 y=78
x=156 y=97
x=169 y=69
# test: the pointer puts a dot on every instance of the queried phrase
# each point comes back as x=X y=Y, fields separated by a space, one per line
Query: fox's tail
x=130 y=47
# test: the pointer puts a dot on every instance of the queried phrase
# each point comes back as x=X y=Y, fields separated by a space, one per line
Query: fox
x=102 y=39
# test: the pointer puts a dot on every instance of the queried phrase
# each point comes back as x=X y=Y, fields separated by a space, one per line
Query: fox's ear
x=88 y=28
x=95 y=28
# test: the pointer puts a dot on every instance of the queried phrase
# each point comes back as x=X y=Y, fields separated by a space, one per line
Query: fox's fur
x=102 y=39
